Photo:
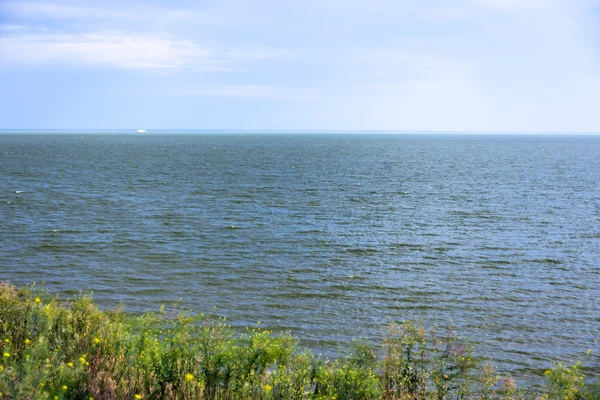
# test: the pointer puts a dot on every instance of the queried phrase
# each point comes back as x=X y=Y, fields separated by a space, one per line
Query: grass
x=53 y=349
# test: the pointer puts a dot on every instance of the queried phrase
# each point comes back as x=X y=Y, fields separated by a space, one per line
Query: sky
x=405 y=65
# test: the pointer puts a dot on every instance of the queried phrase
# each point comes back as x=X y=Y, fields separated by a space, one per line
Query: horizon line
x=283 y=131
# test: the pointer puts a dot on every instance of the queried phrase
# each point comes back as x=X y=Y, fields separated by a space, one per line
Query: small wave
x=67 y=230
x=19 y=191
x=546 y=261
x=309 y=231
x=494 y=266
x=402 y=245
x=482 y=214
x=356 y=200
x=312 y=295
x=61 y=248
x=494 y=248
x=408 y=246
x=307 y=270
x=361 y=251
x=243 y=195
x=499 y=262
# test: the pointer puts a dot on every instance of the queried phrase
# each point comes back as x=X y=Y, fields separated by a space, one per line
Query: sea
x=331 y=237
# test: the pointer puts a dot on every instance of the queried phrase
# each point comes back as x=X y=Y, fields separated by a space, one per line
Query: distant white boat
x=141 y=131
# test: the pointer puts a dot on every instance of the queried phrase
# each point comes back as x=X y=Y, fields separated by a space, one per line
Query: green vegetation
x=54 y=349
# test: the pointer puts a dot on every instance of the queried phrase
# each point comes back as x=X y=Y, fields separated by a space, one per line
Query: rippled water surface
x=329 y=236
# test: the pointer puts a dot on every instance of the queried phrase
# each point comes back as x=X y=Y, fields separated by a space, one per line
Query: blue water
x=331 y=237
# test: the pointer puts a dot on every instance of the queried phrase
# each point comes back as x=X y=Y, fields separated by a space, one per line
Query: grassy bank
x=53 y=349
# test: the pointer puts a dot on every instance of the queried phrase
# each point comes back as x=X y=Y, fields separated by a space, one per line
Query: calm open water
x=331 y=237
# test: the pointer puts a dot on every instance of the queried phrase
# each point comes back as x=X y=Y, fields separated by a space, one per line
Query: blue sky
x=491 y=65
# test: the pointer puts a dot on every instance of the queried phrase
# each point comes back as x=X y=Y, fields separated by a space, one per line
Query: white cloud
x=138 y=36
x=130 y=14
x=122 y=51
x=14 y=28
x=265 y=92
x=60 y=11
x=515 y=5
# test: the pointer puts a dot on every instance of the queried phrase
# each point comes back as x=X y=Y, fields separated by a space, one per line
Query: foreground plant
x=52 y=349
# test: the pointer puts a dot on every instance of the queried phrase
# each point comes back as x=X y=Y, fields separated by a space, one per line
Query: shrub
x=53 y=349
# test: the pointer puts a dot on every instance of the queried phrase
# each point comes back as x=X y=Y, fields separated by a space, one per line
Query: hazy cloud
x=337 y=64
x=124 y=51
x=265 y=92
x=120 y=51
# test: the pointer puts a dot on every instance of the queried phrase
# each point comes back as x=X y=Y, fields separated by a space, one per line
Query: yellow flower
x=64 y=387
x=268 y=388
x=70 y=364
x=547 y=372
x=37 y=300
x=27 y=341
x=6 y=354
x=6 y=340
x=1 y=368
x=588 y=352
x=96 y=340
x=189 y=377
x=138 y=396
